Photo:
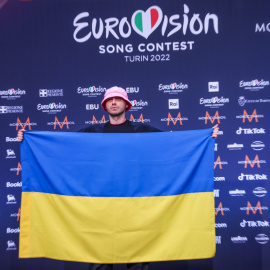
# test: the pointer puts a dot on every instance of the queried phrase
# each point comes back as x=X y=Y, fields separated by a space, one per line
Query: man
x=116 y=103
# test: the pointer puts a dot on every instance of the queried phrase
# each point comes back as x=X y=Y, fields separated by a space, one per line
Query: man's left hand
x=215 y=131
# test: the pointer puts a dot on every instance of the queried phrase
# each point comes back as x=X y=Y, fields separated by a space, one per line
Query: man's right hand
x=20 y=135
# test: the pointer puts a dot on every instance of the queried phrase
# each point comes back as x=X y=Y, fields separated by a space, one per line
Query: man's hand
x=20 y=135
x=215 y=131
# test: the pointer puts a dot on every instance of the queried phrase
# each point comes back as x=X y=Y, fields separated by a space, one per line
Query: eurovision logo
x=144 y=23
x=12 y=94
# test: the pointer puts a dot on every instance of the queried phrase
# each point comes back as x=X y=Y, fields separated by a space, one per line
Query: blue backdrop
x=185 y=65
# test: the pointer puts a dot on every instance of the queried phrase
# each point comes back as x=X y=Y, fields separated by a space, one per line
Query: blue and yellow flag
x=117 y=198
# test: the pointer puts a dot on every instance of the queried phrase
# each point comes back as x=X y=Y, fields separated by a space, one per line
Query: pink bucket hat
x=116 y=92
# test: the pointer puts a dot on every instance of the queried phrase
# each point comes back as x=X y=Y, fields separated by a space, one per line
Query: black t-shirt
x=126 y=127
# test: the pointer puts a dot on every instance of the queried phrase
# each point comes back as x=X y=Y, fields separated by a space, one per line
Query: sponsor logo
x=12 y=94
x=140 y=119
x=138 y=105
x=11 y=245
x=220 y=225
x=173 y=88
x=213 y=86
x=257 y=145
x=16 y=215
x=263 y=27
x=252 y=177
x=11 y=199
x=173 y=103
x=219 y=163
x=51 y=108
x=214 y=102
x=11 y=109
x=237 y=192
x=8 y=139
x=221 y=209
x=51 y=92
x=18 y=169
x=91 y=91
x=95 y=121
x=254 y=209
x=11 y=185
x=259 y=191
x=174 y=119
x=10 y=153
x=144 y=23
x=91 y=107
x=250 y=131
x=235 y=146
x=216 y=193
x=219 y=179
x=239 y=239
x=254 y=85
x=60 y=124
x=250 y=117
x=254 y=224
x=218 y=240
x=9 y=230
x=23 y=126
x=131 y=90
x=242 y=101
x=212 y=118
x=252 y=162
x=262 y=238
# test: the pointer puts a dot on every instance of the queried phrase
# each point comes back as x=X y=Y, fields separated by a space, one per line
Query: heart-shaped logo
x=92 y=89
x=10 y=91
x=52 y=105
x=173 y=85
x=254 y=82
x=145 y=23
x=133 y=102
x=214 y=99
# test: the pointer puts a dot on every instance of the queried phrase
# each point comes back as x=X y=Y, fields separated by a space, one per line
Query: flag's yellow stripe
x=117 y=230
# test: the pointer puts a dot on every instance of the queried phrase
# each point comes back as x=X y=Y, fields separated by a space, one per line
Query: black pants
x=130 y=266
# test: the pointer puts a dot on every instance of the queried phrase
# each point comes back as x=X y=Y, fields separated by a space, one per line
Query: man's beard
x=117 y=114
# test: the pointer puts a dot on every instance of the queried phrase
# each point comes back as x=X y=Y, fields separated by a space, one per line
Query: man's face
x=116 y=106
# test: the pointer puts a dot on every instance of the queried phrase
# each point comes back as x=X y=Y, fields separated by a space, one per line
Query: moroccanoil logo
x=254 y=209
x=95 y=121
x=19 y=214
x=221 y=209
x=17 y=170
x=250 y=117
x=140 y=119
x=212 y=119
x=174 y=120
x=219 y=163
x=27 y=123
x=252 y=163
x=61 y=124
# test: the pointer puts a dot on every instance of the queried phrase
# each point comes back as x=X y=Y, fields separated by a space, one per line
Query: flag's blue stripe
x=118 y=164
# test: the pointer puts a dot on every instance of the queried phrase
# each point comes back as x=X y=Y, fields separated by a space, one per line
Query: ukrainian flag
x=117 y=198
